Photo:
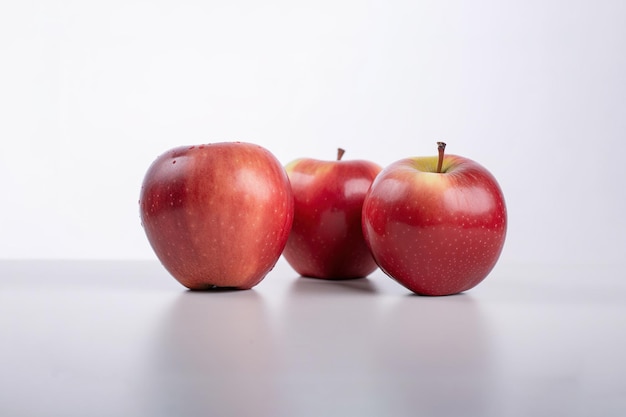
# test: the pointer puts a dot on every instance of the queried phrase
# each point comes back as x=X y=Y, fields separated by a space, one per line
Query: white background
x=91 y=92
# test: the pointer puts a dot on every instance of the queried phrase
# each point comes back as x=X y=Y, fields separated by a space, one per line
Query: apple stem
x=441 y=147
x=340 y=153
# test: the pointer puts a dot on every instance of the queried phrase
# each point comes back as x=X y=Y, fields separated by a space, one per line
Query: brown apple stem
x=441 y=147
x=340 y=153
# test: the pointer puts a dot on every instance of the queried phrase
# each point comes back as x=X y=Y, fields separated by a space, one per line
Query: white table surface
x=104 y=338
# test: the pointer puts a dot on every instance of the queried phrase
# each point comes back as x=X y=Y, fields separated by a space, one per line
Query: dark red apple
x=326 y=239
x=436 y=225
x=217 y=215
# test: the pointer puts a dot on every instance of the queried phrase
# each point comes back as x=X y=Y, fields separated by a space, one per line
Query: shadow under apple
x=325 y=339
x=435 y=357
x=308 y=285
x=213 y=356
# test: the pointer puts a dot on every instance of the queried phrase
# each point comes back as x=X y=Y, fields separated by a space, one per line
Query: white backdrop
x=92 y=91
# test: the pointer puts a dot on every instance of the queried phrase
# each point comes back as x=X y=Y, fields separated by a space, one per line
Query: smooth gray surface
x=123 y=338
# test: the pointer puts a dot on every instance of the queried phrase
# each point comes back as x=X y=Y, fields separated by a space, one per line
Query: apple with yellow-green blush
x=437 y=225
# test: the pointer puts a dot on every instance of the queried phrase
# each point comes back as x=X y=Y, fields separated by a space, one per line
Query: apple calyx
x=340 y=152
x=441 y=147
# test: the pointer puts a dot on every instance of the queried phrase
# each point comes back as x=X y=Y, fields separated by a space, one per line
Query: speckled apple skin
x=326 y=239
x=217 y=215
x=435 y=233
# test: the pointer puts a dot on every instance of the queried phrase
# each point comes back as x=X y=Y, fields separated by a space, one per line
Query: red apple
x=436 y=225
x=217 y=215
x=326 y=239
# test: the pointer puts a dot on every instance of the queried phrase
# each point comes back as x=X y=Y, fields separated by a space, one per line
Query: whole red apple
x=326 y=239
x=436 y=225
x=217 y=215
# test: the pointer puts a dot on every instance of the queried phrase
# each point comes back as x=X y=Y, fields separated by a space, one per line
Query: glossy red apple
x=436 y=225
x=326 y=239
x=217 y=215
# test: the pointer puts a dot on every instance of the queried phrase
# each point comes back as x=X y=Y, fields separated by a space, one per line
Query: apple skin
x=217 y=215
x=326 y=239
x=435 y=233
